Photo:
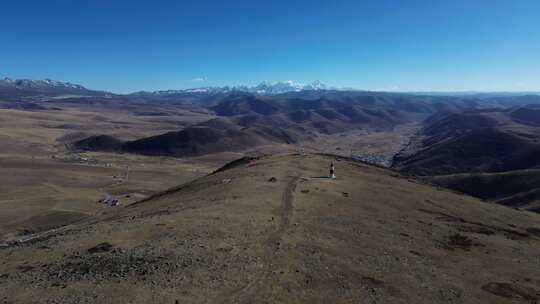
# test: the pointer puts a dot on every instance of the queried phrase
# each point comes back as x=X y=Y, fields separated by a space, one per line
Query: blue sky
x=124 y=46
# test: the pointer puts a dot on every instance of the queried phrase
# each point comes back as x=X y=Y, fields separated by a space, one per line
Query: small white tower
x=332 y=170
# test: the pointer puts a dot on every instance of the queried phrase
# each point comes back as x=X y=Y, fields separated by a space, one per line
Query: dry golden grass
x=40 y=179
x=276 y=230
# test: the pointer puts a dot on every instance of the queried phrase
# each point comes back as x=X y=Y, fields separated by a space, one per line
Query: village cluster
x=110 y=201
x=373 y=159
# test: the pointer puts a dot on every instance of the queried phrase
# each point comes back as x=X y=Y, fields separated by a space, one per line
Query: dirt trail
x=285 y=210
x=270 y=247
x=45 y=234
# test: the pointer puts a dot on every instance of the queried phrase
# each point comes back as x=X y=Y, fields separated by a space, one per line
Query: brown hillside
x=276 y=230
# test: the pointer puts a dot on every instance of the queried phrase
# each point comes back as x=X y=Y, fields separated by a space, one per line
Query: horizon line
x=330 y=88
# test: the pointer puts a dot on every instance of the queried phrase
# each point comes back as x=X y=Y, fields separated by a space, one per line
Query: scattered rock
x=25 y=268
x=58 y=284
x=478 y=230
x=372 y=282
x=460 y=240
x=509 y=290
x=345 y=194
x=514 y=234
x=225 y=249
x=272 y=179
x=534 y=231
x=457 y=241
x=102 y=247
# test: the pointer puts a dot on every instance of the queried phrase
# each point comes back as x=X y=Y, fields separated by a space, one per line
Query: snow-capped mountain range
x=264 y=88
x=287 y=86
x=39 y=84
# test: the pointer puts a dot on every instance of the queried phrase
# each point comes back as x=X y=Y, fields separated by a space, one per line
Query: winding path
x=246 y=293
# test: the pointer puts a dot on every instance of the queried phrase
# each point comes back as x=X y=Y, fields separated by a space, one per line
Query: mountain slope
x=213 y=136
x=192 y=141
x=480 y=153
x=476 y=141
x=104 y=143
x=330 y=114
x=518 y=188
x=273 y=230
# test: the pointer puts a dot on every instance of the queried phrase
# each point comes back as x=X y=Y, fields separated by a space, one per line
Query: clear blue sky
x=413 y=45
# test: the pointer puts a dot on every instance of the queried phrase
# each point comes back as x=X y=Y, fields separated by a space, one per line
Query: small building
x=110 y=201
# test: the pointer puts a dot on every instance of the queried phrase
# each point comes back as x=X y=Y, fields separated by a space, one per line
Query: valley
x=491 y=154
x=50 y=179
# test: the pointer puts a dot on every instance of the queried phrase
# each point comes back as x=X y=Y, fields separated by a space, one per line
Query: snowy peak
x=56 y=83
x=203 y=90
x=39 y=84
x=7 y=81
x=19 y=88
x=277 y=87
x=315 y=86
x=264 y=88
x=287 y=86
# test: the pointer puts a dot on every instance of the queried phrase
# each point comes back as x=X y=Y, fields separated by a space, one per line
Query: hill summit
x=276 y=229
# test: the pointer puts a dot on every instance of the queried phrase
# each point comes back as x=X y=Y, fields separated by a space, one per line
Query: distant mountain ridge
x=247 y=120
x=30 y=87
x=264 y=88
x=17 y=88
x=36 y=84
